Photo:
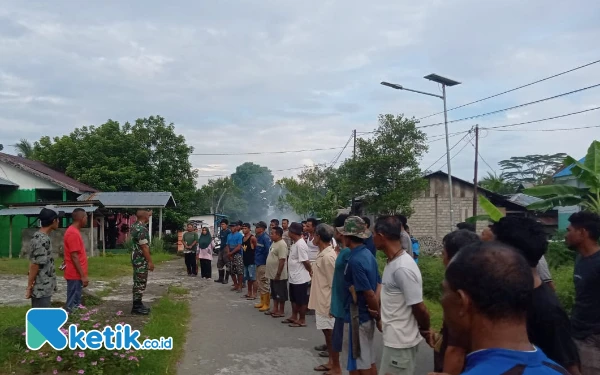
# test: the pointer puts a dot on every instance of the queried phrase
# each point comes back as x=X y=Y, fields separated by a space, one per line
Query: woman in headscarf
x=205 y=253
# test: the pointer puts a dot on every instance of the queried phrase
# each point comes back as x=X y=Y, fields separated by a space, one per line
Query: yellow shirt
x=322 y=280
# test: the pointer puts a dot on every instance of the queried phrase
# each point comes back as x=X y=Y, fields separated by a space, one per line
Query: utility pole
x=352 y=207
x=475 y=197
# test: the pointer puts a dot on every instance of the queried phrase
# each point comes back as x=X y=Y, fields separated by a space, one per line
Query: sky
x=273 y=75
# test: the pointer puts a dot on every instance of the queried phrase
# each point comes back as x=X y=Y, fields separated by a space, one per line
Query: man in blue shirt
x=260 y=258
x=487 y=291
x=233 y=250
x=369 y=243
x=361 y=278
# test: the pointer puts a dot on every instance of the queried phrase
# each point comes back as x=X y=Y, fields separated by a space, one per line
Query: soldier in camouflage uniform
x=140 y=260
x=42 y=275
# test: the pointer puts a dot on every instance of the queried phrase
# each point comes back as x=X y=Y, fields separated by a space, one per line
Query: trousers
x=74 y=290
x=140 y=275
x=205 y=268
x=263 y=282
x=190 y=263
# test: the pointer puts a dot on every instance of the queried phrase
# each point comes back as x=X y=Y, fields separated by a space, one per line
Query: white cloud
x=297 y=75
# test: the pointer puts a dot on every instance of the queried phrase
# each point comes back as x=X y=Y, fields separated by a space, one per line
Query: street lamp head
x=392 y=85
x=443 y=80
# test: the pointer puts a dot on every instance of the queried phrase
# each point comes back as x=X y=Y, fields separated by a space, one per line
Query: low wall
x=56 y=238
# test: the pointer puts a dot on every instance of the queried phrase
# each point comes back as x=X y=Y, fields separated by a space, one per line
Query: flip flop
x=287 y=321
x=297 y=325
x=321 y=368
x=321 y=348
x=245 y=296
x=250 y=298
x=277 y=316
x=323 y=354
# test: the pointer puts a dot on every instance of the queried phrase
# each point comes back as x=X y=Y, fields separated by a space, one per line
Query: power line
x=274 y=170
x=544 y=130
x=513 y=107
x=453 y=156
x=451 y=148
x=543 y=119
x=516 y=88
x=481 y=157
x=269 y=152
x=335 y=160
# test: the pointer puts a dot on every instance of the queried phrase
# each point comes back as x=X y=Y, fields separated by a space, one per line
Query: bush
x=157 y=246
x=559 y=255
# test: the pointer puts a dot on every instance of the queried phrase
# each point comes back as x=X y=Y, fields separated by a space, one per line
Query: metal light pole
x=444 y=82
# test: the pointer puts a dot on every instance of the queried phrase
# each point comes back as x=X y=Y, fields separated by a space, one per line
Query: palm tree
x=497 y=184
x=24 y=149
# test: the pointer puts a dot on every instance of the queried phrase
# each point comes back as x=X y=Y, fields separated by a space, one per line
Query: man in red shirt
x=76 y=265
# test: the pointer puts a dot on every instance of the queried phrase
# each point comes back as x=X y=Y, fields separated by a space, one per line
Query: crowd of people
x=501 y=312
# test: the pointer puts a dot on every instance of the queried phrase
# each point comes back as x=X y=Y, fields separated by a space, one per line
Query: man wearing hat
x=361 y=280
x=41 y=282
x=262 y=252
x=141 y=261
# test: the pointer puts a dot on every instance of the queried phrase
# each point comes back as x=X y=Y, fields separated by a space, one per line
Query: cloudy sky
x=270 y=75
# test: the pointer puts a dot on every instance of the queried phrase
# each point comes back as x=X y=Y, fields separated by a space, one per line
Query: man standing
x=361 y=282
x=41 y=283
x=285 y=223
x=405 y=240
x=248 y=256
x=277 y=274
x=300 y=272
x=190 y=241
x=404 y=316
x=274 y=223
x=262 y=252
x=233 y=249
x=582 y=235
x=313 y=250
x=140 y=260
x=487 y=291
x=369 y=241
x=320 y=290
x=223 y=262
x=76 y=263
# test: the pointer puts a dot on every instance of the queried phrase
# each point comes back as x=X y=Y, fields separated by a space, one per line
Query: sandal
x=277 y=316
x=297 y=325
x=321 y=368
x=287 y=321
x=321 y=348
x=323 y=354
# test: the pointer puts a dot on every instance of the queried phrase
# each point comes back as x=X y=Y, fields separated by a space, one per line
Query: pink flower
x=64 y=331
x=23 y=334
x=27 y=351
x=94 y=363
x=81 y=372
x=23 y=361
x=122 y=356
x=106 y=321
x=119 y=313
x=83 y=308
x=76 y=324
x=96 y=325
x=121 y=323
x=59 y=359
x=101 y=359
x=132 y=358
x=85 y=318
x=115 y=353
x=81 y=354
x=55 y=372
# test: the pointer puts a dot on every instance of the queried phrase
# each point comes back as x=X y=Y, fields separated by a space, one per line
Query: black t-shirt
x=223 y=237
x=549 y=328
x=585 y=317
x=248 y=251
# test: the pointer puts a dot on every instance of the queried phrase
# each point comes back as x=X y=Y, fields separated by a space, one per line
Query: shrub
x=96 y=362
x=559 y=255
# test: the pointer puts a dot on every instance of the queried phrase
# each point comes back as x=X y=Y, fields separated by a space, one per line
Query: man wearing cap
x=41 y=283
x=299 y=274
x=361 y=280
x=223 y=263
x=233 y=250
x=140 y=260
x=262 y=251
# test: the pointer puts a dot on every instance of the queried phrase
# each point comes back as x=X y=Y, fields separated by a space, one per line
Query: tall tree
x=386 y=170
x=254 y=182
x=145 y=156
x=221 y=196
x=531 y=169
x=24 y=149
x=497 y=184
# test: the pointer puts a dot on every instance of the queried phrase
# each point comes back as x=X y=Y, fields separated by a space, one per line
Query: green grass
x=177 y=290
x=12 y=325
x=436 y=314
x=169 y=318
x=100 y=268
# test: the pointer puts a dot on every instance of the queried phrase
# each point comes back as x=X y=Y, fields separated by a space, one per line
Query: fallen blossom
x=59 y=359
x=101 y=359
x=81 y=372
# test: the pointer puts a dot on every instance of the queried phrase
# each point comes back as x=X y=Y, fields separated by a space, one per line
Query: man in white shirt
x=299 y=275
x=403 y=317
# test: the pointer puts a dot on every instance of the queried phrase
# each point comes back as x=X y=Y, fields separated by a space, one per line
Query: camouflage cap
x=355 y=226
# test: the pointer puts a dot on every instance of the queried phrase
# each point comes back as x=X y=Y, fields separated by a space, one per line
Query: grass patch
x=12 y=325
x=162 y=324
x=108 y=290
x=177 y=290
x=100 y=268
x=436 y=314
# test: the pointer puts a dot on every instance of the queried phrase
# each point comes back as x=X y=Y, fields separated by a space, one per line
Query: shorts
x=279 y=290
x=41 y=302
x=299 y=294
x=250 y=272
x=237 y=264
x=222 y=260
x=589 y=352
x=324 y=322
x=398 y=361
x=366 y=332
x=337 y=336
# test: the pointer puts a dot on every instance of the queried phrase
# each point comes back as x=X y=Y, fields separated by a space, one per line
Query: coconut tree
x=24 y=148
x=586 y=173
x=497 y=184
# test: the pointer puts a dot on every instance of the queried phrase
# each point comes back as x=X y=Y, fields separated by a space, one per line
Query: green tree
x=145 y=156
x=221 y=196
x=309 y=195
x=531 y=169
x=386 y=170
x=586 y=173
x=255 y=183
x=24 y=149
x=497 y=184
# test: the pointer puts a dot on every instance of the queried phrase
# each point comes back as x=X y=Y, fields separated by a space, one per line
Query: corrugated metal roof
x=6 y=182
x=35 y=210
x=133 y=199
x=43 y=171
x=523 y=199
x=565 y=172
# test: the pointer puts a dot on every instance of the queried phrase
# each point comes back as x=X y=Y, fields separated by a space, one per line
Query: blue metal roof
x=565 y=172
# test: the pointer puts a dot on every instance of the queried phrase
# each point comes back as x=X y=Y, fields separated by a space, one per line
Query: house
x=29 y=181
x=565 y=177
